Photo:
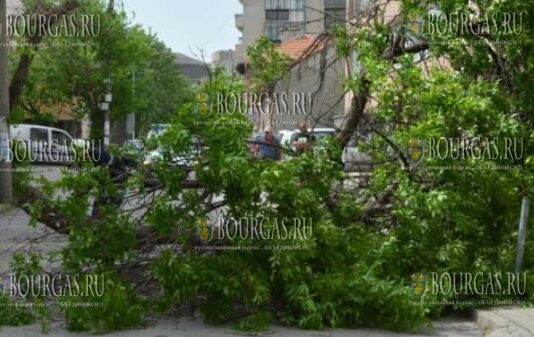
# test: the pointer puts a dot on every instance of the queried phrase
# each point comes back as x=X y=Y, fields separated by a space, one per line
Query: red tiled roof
x=301 y=46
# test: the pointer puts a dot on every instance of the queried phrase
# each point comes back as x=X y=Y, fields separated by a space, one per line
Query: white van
x=43 y=143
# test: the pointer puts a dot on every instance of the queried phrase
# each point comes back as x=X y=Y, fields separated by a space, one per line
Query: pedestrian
x=119 y=174
x=267 y=146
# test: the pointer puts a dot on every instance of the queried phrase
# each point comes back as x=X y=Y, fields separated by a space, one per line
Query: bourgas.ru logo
x=415 y=150
x=435 y=22
x=418 y=283
x=53 y=151
x=479 y=148
x=52 y=25
x=203 y=231
x=277 y=103
x=254 y=229
x=23 y=285
x=469 y=283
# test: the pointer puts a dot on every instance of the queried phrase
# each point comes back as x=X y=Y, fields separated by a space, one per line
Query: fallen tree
x=417 y=215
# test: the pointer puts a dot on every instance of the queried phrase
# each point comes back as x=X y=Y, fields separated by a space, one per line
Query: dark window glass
x=278 y=15
x=60 y=138
x=334 y=3
x=39 y=134
x=283 y=15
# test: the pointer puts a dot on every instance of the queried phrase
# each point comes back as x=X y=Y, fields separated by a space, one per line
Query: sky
x=187 y=25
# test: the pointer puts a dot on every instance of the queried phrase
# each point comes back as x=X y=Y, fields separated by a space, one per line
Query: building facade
x=317 y=81
x=281 y=20
x=297 y=25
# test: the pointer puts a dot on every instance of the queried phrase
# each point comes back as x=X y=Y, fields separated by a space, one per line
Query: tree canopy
x=74 y=70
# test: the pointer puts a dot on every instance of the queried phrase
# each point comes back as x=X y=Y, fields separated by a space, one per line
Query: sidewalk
x=190 y=328
x=18 y=236
x=504 y=322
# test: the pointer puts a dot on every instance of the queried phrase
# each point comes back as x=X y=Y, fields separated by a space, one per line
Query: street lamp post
x=105 y=106
x=130 y=117
x=6 y=180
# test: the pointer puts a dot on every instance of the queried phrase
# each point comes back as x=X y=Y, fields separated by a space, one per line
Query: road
x=17 y=236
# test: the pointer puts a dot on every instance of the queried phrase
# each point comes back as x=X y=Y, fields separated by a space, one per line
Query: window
x=276 y=4
x=284 y=4
x=335 y=12
x=362 y=5
x=283 y=15
x=39 y=134
x=278 y=15
x=274 y=29
x=334 y=3
x=297 y=16
x=60 y=138
x=297 y=5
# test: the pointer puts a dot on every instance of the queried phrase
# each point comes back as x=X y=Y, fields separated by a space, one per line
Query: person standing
x=267 y=146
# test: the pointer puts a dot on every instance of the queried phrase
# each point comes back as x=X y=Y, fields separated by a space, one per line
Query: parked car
x=133 y=147
x=132 y=151
x=157 y=130
x=46 y=144
x=185 y=162
x=291 y=137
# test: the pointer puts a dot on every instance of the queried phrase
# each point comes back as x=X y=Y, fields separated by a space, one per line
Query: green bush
x=12 y=314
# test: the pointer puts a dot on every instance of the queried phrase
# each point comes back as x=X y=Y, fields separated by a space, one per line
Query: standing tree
x=73 y=70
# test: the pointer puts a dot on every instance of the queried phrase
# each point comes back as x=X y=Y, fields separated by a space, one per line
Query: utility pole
x=6 y=179
x=105 y=106
x=522 y=234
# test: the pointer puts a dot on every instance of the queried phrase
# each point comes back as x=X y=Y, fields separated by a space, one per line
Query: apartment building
x=296 y=25
x=281 y=20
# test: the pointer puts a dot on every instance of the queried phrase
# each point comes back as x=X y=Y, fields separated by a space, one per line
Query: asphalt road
x=17 y=236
